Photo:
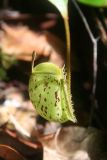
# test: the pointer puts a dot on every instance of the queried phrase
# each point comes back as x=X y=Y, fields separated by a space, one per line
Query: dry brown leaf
x=25 y=147
x=20 y=41
x=8 y=153
x=75 y=143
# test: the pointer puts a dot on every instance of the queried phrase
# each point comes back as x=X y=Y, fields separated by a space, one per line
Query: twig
x=95 y=46
x=95 y=55
x=34 y=56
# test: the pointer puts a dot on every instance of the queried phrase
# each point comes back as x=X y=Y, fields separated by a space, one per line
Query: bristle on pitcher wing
x=67 y=105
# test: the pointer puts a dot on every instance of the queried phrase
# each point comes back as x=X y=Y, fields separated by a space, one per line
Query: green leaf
x=62 y=6
x=3 y=74
x=94 y=3
x=6 y=60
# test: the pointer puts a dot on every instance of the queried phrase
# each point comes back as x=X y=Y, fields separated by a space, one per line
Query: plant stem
x=67 y=32
x=68 y=64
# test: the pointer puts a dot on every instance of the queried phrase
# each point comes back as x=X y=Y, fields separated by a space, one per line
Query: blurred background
x=27 y=26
